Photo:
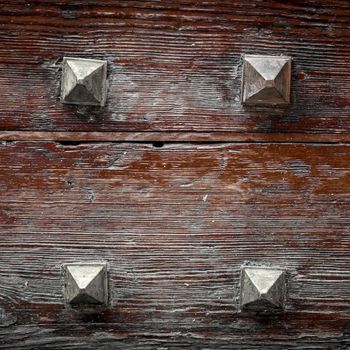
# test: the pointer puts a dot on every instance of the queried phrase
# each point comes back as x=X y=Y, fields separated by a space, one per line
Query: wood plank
x=161 y=137
x=174 y=65
x=176 y=223
x=95 y=336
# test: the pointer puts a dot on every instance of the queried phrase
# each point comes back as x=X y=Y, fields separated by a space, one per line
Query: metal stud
x=266 y=80
x=263 y=289
x=86 y=283
x=84 y=81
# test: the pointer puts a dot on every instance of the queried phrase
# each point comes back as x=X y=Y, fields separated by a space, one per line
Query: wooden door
x=174 y=183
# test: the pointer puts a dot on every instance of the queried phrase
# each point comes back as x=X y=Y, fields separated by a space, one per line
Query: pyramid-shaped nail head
x=266 y=80
x=84 y=81
x=262 y=289
x=86 y=284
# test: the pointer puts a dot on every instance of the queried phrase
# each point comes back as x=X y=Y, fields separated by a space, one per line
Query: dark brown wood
x=183 y=137
x=174 y=65
x=174 y=182
x=175 y=223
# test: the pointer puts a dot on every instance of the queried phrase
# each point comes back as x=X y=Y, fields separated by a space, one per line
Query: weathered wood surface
x=180 y=137
x=175 y=223
x=174 y=65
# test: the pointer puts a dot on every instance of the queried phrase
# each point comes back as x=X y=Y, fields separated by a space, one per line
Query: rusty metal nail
x=262 y=289
x=84 y=81
x=86 y=283
x=266 y=80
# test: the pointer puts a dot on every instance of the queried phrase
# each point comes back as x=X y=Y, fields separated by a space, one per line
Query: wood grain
x=176 y=223
x=179 y=137
x=174 y=65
